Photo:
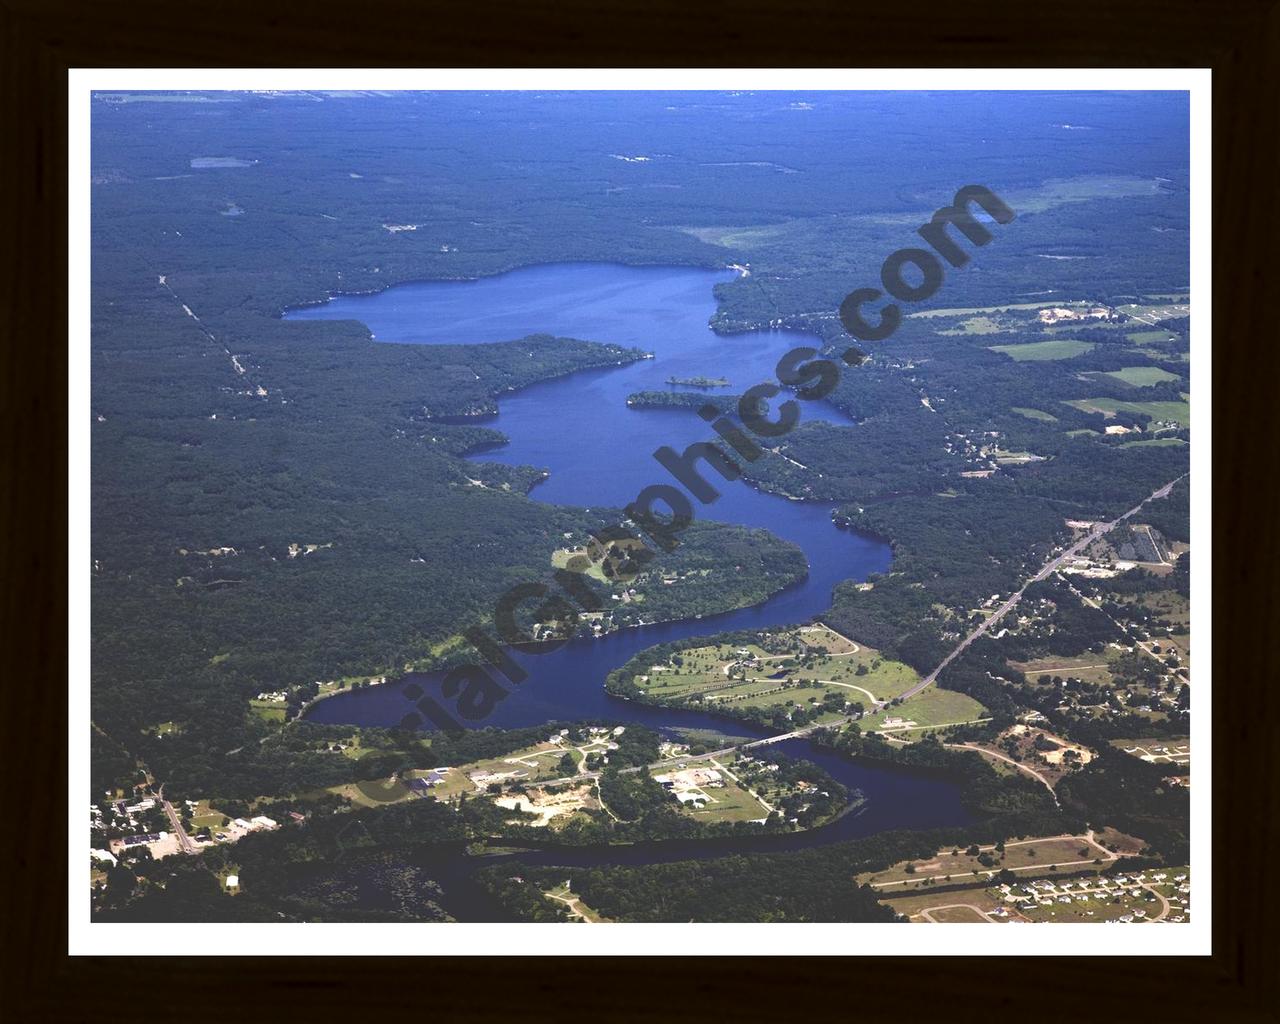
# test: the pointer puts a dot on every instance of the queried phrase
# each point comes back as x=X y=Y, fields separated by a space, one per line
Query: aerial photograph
x=605 y=506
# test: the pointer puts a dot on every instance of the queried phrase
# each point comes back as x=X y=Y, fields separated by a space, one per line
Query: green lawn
x=932 y=707
x=1151 y=337
x=268 y=711
x=1039 y=351
x=1034 y=414
x=1173 y=412
x=729 y=802
x=1141 y=376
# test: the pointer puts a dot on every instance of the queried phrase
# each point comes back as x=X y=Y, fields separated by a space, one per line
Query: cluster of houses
x=122 y=826
x=1045 y=893
x=238 y=828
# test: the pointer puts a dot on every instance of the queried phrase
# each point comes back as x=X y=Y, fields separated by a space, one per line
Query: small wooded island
x=699 y=382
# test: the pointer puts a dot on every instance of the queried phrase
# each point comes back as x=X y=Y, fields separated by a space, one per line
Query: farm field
x=1172 y=412
x=1141 y=376
x=1039 y=351
x=1034 y=414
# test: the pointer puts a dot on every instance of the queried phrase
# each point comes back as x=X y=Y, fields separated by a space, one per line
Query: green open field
x=1028 y=856
x=705 y=671
x=577 y=560
x=204 y=816
x=1034 y=414
x=1152 y=337
x=1039 y=351
x=1091 y=668
x=957 y=915
x=931 y=707
x=1155 y=442
x=1141 y=376
x=1174 y=412
x=977 y=325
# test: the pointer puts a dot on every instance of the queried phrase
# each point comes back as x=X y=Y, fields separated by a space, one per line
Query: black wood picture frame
x=1238 y=39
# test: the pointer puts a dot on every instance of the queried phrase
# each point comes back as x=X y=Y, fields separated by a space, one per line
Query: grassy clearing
x=1090 y=668
x=1041 y=351
x=572 y=902
x=1155 y=442
x=976 y=326
x=955 y=865
x=1154 y=337
x=1171 y=412
x=1034 y=414
x=268 y=711
x=932 y=707
x=1141 y=376
x=911 y=906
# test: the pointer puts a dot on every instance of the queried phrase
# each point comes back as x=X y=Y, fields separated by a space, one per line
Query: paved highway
x=1099 y=530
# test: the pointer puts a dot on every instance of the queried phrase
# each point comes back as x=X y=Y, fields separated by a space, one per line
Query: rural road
x=1051 y=566
x=183 y=839
x=1008 y=760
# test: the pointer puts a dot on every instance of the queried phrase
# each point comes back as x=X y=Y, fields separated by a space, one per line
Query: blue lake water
x=599 y=453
